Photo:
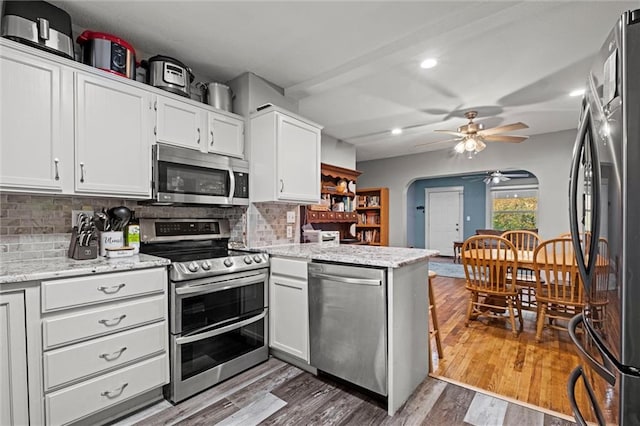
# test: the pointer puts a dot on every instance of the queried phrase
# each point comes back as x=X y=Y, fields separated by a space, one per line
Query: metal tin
x=220 y=96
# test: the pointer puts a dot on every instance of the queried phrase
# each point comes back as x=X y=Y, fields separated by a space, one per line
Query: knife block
x=78 y=252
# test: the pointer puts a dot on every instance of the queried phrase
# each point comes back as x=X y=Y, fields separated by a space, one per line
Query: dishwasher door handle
x=358 y=281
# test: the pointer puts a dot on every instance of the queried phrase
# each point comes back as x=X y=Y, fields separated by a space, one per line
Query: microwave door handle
x=221 y=330
x=232 y=187
x=219 y=286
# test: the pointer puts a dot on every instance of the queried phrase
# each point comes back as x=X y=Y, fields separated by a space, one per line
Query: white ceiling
x=354 y=66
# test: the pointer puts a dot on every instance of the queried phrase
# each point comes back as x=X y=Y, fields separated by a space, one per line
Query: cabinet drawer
x=95 y=322
x=312 y=215
x=64 y=293
x=85 y=398
x=290 y=267
x=83 y=359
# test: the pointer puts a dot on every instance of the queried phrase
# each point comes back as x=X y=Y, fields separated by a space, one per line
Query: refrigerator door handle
x=584 y=355
x=571 y=391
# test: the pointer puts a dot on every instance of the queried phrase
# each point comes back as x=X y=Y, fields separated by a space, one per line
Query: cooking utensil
x=122 y=215
x=169 y=74
x=108 y=52
x=220 y=96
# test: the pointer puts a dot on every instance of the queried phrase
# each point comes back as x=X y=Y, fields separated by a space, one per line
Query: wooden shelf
x=377 y=231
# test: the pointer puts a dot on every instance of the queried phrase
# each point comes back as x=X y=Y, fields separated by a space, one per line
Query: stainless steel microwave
x=187 y=176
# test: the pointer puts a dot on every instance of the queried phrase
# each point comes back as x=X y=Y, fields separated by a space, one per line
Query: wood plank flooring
x=275 y=393
x=487 y=356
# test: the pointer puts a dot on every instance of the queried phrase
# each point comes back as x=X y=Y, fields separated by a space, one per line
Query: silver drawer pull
x=114 y=393
x=112 y=322
x=111 y=289
x=113 y=356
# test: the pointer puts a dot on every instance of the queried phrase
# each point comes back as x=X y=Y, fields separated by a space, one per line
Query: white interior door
x=443 y=219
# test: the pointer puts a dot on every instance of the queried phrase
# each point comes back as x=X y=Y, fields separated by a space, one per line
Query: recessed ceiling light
x=429 y=63
x=396 y=131
x=577 y=92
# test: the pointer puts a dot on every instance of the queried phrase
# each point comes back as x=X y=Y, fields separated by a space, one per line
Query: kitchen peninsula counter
x=406 y=305
x=387 y=257
x=62 y=267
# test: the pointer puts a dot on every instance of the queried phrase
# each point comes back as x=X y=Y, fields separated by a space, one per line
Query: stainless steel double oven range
x=218 y=302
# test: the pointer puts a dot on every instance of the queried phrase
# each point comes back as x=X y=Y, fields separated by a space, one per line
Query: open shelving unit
x=373 y=216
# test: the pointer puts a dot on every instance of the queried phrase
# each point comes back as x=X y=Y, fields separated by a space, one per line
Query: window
x=514 y=207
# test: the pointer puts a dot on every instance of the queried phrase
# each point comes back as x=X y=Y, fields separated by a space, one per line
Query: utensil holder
x=110 y=239
x=78 y=252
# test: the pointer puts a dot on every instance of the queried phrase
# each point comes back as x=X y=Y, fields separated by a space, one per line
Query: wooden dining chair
x=493 y=292
x=525 y=241
x=559 y=290
x=585 y=239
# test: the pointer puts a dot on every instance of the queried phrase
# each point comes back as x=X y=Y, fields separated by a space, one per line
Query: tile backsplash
x=35 y=226
x=39 y=226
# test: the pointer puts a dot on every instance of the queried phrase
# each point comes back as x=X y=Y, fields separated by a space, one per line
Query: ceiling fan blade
x=516 y=175
x=451 y=132
x=505 y=138
x=502 y=129
x=431 y=143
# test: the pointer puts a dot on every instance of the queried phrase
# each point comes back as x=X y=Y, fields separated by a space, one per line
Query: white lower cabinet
x=108 y=352
x=14 y=402
x=289 y=307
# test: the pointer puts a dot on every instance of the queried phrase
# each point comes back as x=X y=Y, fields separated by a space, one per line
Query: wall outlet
x=75 y=213
x=291 y=216
x=468 y=218
x=289 y=231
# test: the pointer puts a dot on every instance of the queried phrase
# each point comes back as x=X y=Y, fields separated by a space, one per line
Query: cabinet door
x=30 y=122
x=298 y=160
x=226 y=135
x=14 y=407
x=179 y=123
x=113 y=138
x=289 y=307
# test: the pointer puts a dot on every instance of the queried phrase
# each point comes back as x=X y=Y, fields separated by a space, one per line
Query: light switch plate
x=291 y=216
x=75 y=213
x=289 y=231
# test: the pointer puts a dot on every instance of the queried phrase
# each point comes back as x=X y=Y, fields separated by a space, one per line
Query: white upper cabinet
x=226 y=135
x=285 y=158
x=180 y=123
x=31 y=123
x=113 y=138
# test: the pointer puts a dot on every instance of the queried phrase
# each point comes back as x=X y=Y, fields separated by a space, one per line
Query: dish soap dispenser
x=132 y=233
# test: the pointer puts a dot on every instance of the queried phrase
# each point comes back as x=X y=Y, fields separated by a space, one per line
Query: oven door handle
x=222 y=330
x=219 y=286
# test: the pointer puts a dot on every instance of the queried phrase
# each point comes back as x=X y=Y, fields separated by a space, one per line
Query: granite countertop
x=62 y=267
x=389 y=257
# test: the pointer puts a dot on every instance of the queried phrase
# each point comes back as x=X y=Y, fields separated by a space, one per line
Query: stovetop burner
x=195 y=254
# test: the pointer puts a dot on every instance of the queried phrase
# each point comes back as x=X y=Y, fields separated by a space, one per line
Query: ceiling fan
x=497 y=176
x=472 y=136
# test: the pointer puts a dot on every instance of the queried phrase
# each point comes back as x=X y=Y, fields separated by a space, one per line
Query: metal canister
x=219 y=96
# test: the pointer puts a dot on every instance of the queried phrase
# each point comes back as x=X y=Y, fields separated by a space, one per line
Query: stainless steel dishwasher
x=348 y=323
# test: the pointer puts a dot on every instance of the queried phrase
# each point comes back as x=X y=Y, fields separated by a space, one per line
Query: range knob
x=257 y=259
x=193 y=267
x=206 y=265
x=228 y=262
x=247 y=260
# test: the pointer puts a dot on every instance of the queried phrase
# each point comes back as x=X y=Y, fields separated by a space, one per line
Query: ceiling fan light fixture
x=576 y=92
x=459 y=148
x=495 y=179
x=470 y=144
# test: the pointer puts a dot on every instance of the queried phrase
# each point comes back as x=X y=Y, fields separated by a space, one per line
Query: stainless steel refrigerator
x=604 y=191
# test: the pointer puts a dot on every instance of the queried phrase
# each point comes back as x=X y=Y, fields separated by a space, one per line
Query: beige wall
x=548 y=156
